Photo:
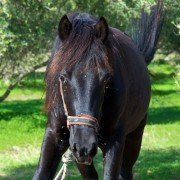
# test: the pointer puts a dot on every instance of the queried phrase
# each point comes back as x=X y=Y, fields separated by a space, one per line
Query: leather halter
x=80 y=119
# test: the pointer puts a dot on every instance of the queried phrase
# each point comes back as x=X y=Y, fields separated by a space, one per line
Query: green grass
x=22 y=123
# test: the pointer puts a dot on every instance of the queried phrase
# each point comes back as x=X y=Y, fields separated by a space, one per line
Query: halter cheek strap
x=80 y=119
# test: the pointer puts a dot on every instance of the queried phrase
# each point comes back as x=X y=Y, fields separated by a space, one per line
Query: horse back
x=132 y=76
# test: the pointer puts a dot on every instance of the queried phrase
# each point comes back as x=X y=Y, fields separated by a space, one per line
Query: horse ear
x=64 y=28
x=102 y=29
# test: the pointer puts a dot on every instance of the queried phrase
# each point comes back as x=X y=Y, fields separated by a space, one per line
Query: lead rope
x=66 y=159
x=67 y=156
x=62 y=95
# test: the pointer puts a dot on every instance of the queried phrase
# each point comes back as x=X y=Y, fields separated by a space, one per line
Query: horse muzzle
x=87 y=160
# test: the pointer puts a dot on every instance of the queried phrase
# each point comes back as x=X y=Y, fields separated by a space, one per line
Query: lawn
x=22 y=123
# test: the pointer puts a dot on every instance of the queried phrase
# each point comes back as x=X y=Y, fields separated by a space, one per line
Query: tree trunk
x=18 y=79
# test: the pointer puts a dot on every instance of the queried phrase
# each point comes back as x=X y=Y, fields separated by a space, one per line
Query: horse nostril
x=94 y=146
x=93 y=149
x=85 y=152
x=74 y=147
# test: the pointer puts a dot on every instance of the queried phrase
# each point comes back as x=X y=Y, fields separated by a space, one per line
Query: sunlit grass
x=22 y=123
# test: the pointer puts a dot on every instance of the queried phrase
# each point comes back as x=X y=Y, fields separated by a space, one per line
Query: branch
x=18 y=79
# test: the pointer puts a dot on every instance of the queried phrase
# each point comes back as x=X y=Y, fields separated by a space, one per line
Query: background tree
x=28 y=28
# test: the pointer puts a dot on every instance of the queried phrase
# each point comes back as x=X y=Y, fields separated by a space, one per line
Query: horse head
x=83 y=78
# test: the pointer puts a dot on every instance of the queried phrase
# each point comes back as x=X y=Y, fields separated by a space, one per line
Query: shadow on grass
x=14 y=108
x=158 y=165
x=27 y=110
x=20 y=173
x=11 y=110
x=163 y=115
x=163 y=92
x=152 y=164
x=158 y=76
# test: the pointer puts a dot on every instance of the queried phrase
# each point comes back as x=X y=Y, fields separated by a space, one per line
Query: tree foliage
x=28 y=27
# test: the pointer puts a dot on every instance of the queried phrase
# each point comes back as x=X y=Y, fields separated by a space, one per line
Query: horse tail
x=147 y=30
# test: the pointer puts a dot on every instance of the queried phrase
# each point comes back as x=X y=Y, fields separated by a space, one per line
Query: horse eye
x=106 y=79
x=63 y=79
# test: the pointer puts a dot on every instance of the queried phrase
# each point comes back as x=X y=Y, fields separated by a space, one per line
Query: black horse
x=98 y=93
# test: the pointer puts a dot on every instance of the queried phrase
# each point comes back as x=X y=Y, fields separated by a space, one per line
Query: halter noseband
x=80 y=119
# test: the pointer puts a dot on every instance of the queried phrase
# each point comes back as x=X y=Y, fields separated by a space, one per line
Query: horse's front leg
x=53 y=147
x=113 y=156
